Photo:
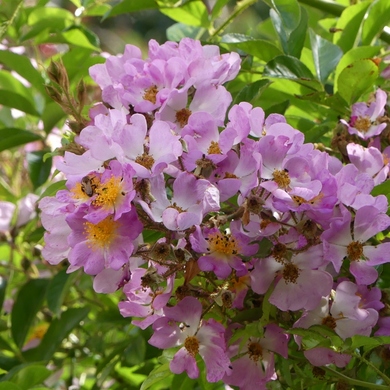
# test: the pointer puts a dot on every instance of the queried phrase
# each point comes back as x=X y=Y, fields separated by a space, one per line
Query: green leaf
x=51 y=115
x=289 y=13
x=252 y=91
x=12 y=137
x=158 y=374
x=9 y=386
x=376 y=18
x=368 y=343
x=50 y=13
x=218 y=6
x=179 y=30
x=22 y=65
x=194 y=13
x=356 y=79
x=58 y=330
x=297 y=37
x=73 y=37
x=354 y=54
x=259 y=48
x=349 y=26
x=28 y=302
x=38 y=169
x=127 y=6
x=287 y=67
x=57 y=290
x=54 y=188
x=326 y=56
x=3 y=287
x=30 y=375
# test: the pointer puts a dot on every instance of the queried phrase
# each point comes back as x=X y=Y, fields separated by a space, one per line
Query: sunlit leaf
x=127 y=6
x=158 y=374
x=179 y=30
x=193 y=13
x=348 y=26
x=376 y=18
x=356 y=79
x=356 y=53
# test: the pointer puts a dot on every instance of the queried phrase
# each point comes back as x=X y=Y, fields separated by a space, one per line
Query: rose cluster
x=202 y=214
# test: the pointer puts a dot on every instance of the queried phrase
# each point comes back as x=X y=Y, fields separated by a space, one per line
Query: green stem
x=336 y=10
x=356 y=382
x=240 y=7
x=385 y=378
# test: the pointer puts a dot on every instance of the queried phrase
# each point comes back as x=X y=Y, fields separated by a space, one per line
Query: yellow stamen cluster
x=279 y=252
x=145 y=160
x=281 y=178
x=362 y=123
x=182 y=116
x=255 y=351
x=355 y=251
x=222 y=243
x=101 y=234
x=151 y=93
x=214 y=148
x=108 y=192
x=191 y=344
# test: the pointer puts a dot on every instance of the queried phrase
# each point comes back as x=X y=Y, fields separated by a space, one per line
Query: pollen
x=191 y=344
x=78 y=193
x=176 y=207
x=145 y=160
x=290 y=273
x=214 y=148
x=355 y=251
x=255 y=351
x=108 y=192
x=151 y=93
x=281 y=178
x=223 y=244
x=362 y=123
x=329 y=321
x=101 y=235
x=279 y=252
x=182 y=116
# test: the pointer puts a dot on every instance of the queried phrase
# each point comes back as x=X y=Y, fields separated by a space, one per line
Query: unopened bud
x=54 y=93
x=58 y=74
x=81 y=94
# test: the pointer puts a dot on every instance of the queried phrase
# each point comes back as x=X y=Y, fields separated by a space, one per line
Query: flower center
x=281 y=178
x=355 y=251
x=279 y=252
x=362 y=123
x=329 y=321
x=191 y=344
x=182 y=116
x=214 y=148
x=101 y=234
x=176 y=207
x=255 y=351
x=150 y=94
x=145 y=160
x=107 y=193
x=223 y=243
x=290 y=273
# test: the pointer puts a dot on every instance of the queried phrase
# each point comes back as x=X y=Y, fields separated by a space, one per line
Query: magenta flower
x=256 y=366
x=144 y=300
x=344 y=315
x=340 y=242
x=106 y=244
x=222 y=250
x=321 y=356
x=364 y=119
x=298 y=282
x=182 y=326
